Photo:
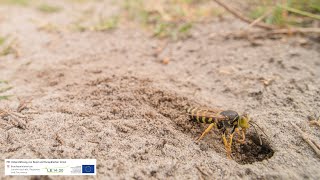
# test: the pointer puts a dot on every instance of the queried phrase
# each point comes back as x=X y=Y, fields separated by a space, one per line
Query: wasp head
x=244 y=121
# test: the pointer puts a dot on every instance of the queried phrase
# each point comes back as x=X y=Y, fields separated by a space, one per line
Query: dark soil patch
x=252 y=151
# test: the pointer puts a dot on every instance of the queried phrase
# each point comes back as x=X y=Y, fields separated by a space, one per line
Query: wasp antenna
x=261 y=130
x=255 y=129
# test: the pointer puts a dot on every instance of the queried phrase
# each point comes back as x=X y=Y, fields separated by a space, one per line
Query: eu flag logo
x=87 y=168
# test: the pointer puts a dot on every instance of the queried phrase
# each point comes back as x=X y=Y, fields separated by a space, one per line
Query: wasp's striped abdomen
x=201 y=115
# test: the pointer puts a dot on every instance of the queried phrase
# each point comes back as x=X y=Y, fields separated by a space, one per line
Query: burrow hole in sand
x=252 y=151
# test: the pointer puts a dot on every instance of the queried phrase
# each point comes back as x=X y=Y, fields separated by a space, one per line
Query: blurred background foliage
x=170 y=18
x=3 y=89
x=175 y=18
x=303 y=13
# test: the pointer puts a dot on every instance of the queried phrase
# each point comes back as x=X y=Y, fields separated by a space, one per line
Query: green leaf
x=300 y=12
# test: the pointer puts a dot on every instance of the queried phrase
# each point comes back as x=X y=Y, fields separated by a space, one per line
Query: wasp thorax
x=231 y=115
x=232 y=118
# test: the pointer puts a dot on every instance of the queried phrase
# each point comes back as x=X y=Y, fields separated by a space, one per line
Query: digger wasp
x=228 y=121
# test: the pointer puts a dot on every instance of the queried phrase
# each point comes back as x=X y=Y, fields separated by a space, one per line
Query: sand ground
x=108 y=96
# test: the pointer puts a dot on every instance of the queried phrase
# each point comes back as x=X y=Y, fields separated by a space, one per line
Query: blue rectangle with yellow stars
x=87 y=168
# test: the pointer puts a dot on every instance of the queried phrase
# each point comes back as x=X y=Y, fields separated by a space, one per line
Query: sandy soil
x=106 y=95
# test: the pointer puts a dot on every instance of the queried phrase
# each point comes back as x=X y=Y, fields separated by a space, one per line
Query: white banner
x=50 y=167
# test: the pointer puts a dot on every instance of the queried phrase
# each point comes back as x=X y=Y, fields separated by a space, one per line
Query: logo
x=55 y=170
x=87 y=168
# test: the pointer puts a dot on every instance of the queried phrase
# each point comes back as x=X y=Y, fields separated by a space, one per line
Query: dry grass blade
x=315 y=122
x=305 y=137
x=296 y=31
x=259 y=19
x=254 y=34
x=10 y=48
x=5 y=89
x=303 y=13
x=23 y=104
x=14 y=118
x=272 y=30
x=244 y=18
x=3 y=113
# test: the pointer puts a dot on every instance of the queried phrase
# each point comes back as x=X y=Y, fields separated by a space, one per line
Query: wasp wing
x=214 y=114
x=206 y=112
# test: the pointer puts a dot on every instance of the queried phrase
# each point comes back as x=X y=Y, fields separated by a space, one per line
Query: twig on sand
x=311 y=142
x=271 y=29
x=59 y=139
x=23 y=103
x=314 y=120
x=15 y=118
x=202 y=173
x=295 y=31
x=264 y=34
x=244 y=18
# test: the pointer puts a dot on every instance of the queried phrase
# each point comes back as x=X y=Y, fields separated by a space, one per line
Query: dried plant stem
x=265 y=34
x=315 y=122
x=306 y=138
x=244 y=18
x=259 y=19
x=303 y=13
x=272 y=29
x=15 y=118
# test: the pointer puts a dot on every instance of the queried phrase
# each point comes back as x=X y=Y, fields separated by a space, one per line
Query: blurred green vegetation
x=2 y=40
x=105 y=24
x=80 y=1
x=173 y=19
x=6 y=46
x=4 y=88
x=169 y=18
x=287 y=12
x=47 y=8
x=15 y=2
x=4 y=97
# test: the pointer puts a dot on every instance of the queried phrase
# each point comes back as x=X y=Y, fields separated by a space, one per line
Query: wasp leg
x=206 y=131
x=243 y=135
x=227 y=144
